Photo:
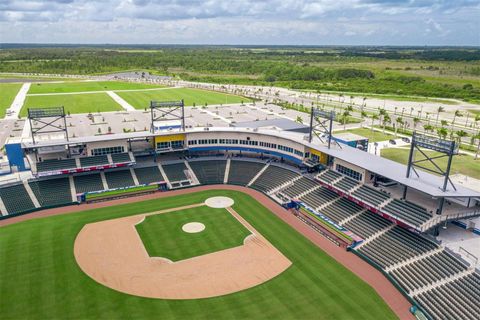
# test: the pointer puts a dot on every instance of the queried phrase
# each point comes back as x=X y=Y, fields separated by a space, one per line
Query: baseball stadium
x=257 y=219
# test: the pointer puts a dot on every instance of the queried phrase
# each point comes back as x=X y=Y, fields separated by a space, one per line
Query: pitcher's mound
x=219 y=202
x=193 y=227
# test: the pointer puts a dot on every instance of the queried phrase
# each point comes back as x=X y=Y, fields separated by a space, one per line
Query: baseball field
x=46 y=275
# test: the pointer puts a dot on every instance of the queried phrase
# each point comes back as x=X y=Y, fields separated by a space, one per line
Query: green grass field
x=41 y=279
x=141 y=99
x=373 y=136
x=162 y=234
x=462 y=163
x=8 y=91
x=82 y=86
x=73 y=103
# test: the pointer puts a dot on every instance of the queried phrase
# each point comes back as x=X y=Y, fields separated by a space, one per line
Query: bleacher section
x=328 y=176
x=408 y=212
x=428 y=271
x=341 y=209
x=52 y=192
x=16 y=199
x=88 y=183
x=119 y=179
x=93 y=161
x=455 y=300
x=121 y=157
x=55 y=165
x=175 y=171
x=242 y=172
x=396 y=245
x=367 y=224
x=210 y=171
x=319 y=197
x=298 y=187
x=371 y=195
x=272 y=178
x=346 y=184
x=148 y=175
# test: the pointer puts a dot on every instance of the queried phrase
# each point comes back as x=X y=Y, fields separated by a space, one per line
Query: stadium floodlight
x=435 y=144
x=166 y=104
x=445 y=148
x=321 y=125
x=318 y=113
x=162 y=111
x=46 y=121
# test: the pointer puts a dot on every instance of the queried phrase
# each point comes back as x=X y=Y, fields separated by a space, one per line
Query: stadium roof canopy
x=426 y=182
x=283 y=124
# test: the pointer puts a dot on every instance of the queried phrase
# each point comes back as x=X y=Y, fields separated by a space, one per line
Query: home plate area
x=197 y=251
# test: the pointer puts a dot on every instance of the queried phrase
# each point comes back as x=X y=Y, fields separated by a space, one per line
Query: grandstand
x=395 y=245
x=176 y=172
x=147 y=175
x=16 y=199
x=55 y=165
x=272 y=178
x=52 y=192
x=340 y=188
x=242 y=172
x=88 y=183
x=119 y=179
x=209 y=171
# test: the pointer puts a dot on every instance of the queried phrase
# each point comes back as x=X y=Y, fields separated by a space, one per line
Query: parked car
x=405 y=139
x=392 y=141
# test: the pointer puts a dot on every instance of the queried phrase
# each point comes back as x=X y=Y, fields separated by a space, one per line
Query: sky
x=242 y=22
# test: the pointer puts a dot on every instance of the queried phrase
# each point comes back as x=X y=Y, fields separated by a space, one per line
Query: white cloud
x=241 y=21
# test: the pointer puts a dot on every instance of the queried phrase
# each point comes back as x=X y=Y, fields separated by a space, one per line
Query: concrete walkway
x=124 y=104
x=17 y=104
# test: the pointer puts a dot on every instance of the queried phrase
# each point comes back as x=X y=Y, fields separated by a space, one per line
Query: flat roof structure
x=282 y=124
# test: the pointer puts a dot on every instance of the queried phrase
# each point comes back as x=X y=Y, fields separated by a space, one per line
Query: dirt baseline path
x=112 y=253
x=395 y=300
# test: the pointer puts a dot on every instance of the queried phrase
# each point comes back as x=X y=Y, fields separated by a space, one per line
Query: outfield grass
x=162 y=234
x=462 y=163
x=8 y=92
x=141 y=99
x=73 y=103
x=82 y=86
x=373 y=136
x=41 y=280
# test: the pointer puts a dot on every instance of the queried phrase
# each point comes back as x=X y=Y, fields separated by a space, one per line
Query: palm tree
x=345 y=116
x=440 y=109
x=477 y=137
x=428 y=127
x=456 y=114
x=399 y=122
x=416 y=120
x=374 y=117
x=444 y=123
x=466 y=120
x=442 y=132
x=461 y=134
x=386 y=119
x=299 y=119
